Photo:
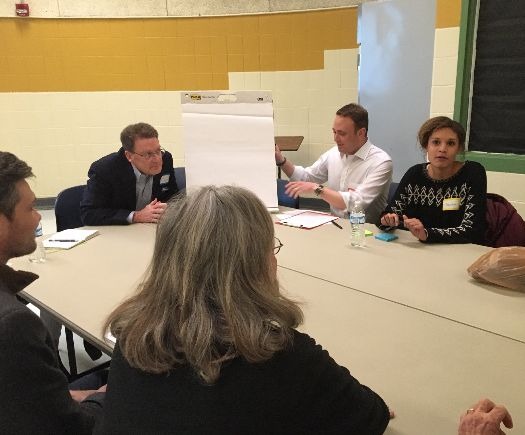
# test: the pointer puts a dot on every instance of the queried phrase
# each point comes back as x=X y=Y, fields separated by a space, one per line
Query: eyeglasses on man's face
x=277 y=247
x=150 y=155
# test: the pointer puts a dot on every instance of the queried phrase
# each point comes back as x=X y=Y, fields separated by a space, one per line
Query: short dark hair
x=12 y=170
x=358 y=114
x=136 y=131
x=438 y=123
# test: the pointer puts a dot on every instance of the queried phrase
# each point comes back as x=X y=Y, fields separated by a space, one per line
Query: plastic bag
x=501 y=266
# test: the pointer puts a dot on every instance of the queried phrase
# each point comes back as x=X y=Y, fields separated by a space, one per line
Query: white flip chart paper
x=229 y=139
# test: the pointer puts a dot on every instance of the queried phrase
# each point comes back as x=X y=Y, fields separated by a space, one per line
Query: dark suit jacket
x=34 y=395
x=110 y=194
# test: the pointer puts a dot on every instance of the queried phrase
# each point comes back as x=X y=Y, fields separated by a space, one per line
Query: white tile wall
x=60 y=134
x=446 y=45
x=511 y=186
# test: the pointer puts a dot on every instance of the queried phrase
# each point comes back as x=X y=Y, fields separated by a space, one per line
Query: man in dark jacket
x=131 y=185
x=34 y=396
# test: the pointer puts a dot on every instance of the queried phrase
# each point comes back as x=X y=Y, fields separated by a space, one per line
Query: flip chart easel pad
x=231 y=143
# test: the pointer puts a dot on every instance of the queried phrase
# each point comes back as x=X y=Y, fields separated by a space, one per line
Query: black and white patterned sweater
x=434 y=203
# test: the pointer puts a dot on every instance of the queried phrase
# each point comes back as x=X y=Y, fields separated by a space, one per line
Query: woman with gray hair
x=208 y=343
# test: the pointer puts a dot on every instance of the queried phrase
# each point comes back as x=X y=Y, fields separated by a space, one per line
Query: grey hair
x=210 y=293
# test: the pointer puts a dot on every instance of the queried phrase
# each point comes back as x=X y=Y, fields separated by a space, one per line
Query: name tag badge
x=451 y=204
x=164 y=179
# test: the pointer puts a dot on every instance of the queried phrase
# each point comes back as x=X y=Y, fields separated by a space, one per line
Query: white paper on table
x=307 y=219
x=66 y=239
x=230 y=142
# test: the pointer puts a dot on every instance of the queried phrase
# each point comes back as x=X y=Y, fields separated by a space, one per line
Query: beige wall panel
x=215 y=7
x=444 y=71
x=298 y=5
x=442 y=100
x=155 y=8
x=113 y=8
x=446 y=44
x=511 y=186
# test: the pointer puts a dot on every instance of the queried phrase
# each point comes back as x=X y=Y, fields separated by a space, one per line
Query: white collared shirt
x=368 y=172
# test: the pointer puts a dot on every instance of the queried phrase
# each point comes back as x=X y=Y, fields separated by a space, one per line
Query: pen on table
x=62 y=240
x=337 y=225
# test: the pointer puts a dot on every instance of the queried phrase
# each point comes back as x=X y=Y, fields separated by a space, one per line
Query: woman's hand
x=415 y=226
x=390 y=220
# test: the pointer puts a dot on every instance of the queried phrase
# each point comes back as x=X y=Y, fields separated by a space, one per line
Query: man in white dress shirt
x=354 y=169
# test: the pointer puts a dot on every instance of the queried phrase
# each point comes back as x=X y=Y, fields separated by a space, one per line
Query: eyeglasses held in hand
x=277 y=247
x=148 y=156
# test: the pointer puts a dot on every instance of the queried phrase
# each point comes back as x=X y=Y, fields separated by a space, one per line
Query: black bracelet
x=281 y=163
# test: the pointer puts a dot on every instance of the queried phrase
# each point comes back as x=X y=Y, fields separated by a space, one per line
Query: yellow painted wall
x=448 y=13
x=44 y=55
x=69 y=86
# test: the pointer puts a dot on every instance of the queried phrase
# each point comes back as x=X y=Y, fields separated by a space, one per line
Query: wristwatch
x=318 y=190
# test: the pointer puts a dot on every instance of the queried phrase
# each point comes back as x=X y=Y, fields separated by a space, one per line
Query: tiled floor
x=83 y=360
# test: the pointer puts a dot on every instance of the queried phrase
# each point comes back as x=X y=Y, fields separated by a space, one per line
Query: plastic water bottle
x=357 y=224
x=39 y=254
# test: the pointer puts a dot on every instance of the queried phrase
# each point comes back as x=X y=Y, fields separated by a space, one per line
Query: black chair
x=67 y=216
x=67 y=208
x=282 y=198
x=180 y=177
x=391 y=191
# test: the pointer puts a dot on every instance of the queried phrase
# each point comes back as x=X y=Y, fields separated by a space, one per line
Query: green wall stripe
x=514 y=163
x=465 y=50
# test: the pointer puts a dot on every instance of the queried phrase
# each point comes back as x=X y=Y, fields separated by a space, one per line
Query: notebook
x=68 y=238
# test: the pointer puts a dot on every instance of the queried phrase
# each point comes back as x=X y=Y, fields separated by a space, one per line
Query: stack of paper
x=306 y=219
x=68 y=238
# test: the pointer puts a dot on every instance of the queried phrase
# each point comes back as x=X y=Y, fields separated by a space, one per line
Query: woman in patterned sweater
x=443 y=200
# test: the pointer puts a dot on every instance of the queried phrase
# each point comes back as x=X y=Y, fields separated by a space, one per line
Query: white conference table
x=428 y=368
x=429 y=277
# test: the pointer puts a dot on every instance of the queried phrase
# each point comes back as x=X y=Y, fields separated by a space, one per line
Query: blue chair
x=282 y=198
x=180 y=177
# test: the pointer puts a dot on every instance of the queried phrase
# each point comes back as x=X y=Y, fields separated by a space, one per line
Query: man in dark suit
x=131 y=185
x=34 y=397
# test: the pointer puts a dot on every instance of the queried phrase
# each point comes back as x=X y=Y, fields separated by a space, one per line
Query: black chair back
x=282 y=198
x=67 y=208
x=391 y=191
x=180 y=177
